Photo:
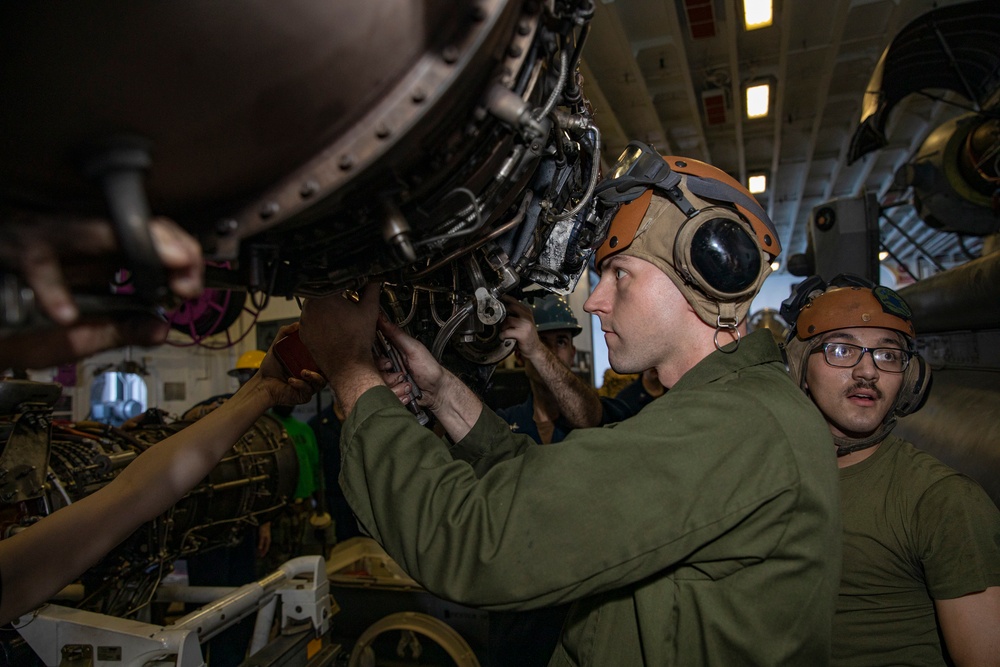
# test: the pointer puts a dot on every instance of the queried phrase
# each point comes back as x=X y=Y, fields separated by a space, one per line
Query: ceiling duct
x=701 y=18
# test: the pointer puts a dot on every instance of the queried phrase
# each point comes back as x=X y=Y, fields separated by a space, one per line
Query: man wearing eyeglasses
x=921 y=541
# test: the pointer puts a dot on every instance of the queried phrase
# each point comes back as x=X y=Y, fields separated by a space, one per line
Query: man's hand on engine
x=425 y=370
x=519 y=325
x=456 y=407
x=339 y=334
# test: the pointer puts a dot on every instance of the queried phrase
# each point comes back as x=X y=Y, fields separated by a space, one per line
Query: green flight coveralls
x=703 y=531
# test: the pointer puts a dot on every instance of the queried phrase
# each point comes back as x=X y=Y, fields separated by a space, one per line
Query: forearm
x=463 y=534
x=579 y=404
x=38 y=562
x=165 y=472
x=456 y=407
x=350 y=384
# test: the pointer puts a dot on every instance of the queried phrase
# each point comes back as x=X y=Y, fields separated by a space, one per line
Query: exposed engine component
x=444 y=147
x=248 y=486
x=954 y=175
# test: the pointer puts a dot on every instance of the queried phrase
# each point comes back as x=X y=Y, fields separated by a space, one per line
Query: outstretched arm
x=39 y=561
x=579 y=403
x=969 y=625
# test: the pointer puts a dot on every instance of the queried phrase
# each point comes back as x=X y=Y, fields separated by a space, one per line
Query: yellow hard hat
x=249 y=361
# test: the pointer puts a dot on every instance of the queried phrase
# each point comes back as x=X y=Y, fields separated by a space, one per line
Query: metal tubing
x=960 y=299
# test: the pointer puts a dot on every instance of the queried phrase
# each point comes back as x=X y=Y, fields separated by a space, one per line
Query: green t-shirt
x=307 y=452
x=915 y=530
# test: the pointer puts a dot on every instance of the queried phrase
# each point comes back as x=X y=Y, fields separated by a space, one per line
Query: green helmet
x=553 y=312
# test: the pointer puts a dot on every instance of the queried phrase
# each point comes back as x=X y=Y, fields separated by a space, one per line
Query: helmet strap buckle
x=728 y=321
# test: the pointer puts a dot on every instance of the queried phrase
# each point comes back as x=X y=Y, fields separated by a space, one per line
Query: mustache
x=870 y=385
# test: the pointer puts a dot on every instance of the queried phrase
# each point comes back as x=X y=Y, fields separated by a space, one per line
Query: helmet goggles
x=639 y=168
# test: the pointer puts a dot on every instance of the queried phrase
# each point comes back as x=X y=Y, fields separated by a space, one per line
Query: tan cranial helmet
x=696 y=223
x=847 y=302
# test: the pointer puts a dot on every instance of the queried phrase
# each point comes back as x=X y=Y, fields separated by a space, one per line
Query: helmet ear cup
x=916 y=385
x=716 y=251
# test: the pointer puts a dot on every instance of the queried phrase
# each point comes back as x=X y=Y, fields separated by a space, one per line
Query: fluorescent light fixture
x=884 y=255
x=775 y=265
x=758 y=99
x=757 y=183
x=757 y=14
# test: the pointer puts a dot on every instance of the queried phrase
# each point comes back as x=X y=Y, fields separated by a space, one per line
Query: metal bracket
x=54 y=632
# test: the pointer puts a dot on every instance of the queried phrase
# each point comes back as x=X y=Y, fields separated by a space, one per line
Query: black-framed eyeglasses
x=846 y=355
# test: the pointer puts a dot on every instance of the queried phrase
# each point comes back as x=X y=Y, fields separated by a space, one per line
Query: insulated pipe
x=960 y=422
x=960 y=299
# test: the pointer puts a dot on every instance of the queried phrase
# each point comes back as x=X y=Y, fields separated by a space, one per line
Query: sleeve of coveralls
x=486 y=445
x=604 y=508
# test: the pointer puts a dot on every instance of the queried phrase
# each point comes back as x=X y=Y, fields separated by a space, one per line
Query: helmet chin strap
x=847 y=446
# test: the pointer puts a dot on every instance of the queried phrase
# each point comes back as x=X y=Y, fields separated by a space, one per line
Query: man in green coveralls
x=921 y=541
x=703 y=530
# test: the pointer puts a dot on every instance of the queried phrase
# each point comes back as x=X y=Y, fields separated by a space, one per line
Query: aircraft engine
x=248 y=486
x=442 y=147
x=955 y=174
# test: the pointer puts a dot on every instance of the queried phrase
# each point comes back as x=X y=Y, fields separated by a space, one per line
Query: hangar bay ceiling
x=673 y=73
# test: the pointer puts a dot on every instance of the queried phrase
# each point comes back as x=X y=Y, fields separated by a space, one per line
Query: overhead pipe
x=964 y=298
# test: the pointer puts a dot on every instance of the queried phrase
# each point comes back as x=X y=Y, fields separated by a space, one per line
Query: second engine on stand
x=69 y=461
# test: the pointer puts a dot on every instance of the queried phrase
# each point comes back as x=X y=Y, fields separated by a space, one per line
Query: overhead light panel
x=757 y=184
x=884 y=255
x=757 y=14
x=758 y=100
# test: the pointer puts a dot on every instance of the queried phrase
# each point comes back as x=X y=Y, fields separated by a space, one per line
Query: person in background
x=40 y=560
x=558 y=400
x=702 y=531
x=642 y=391
x=307 y=505
x=921 y=541
x=326 y=424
